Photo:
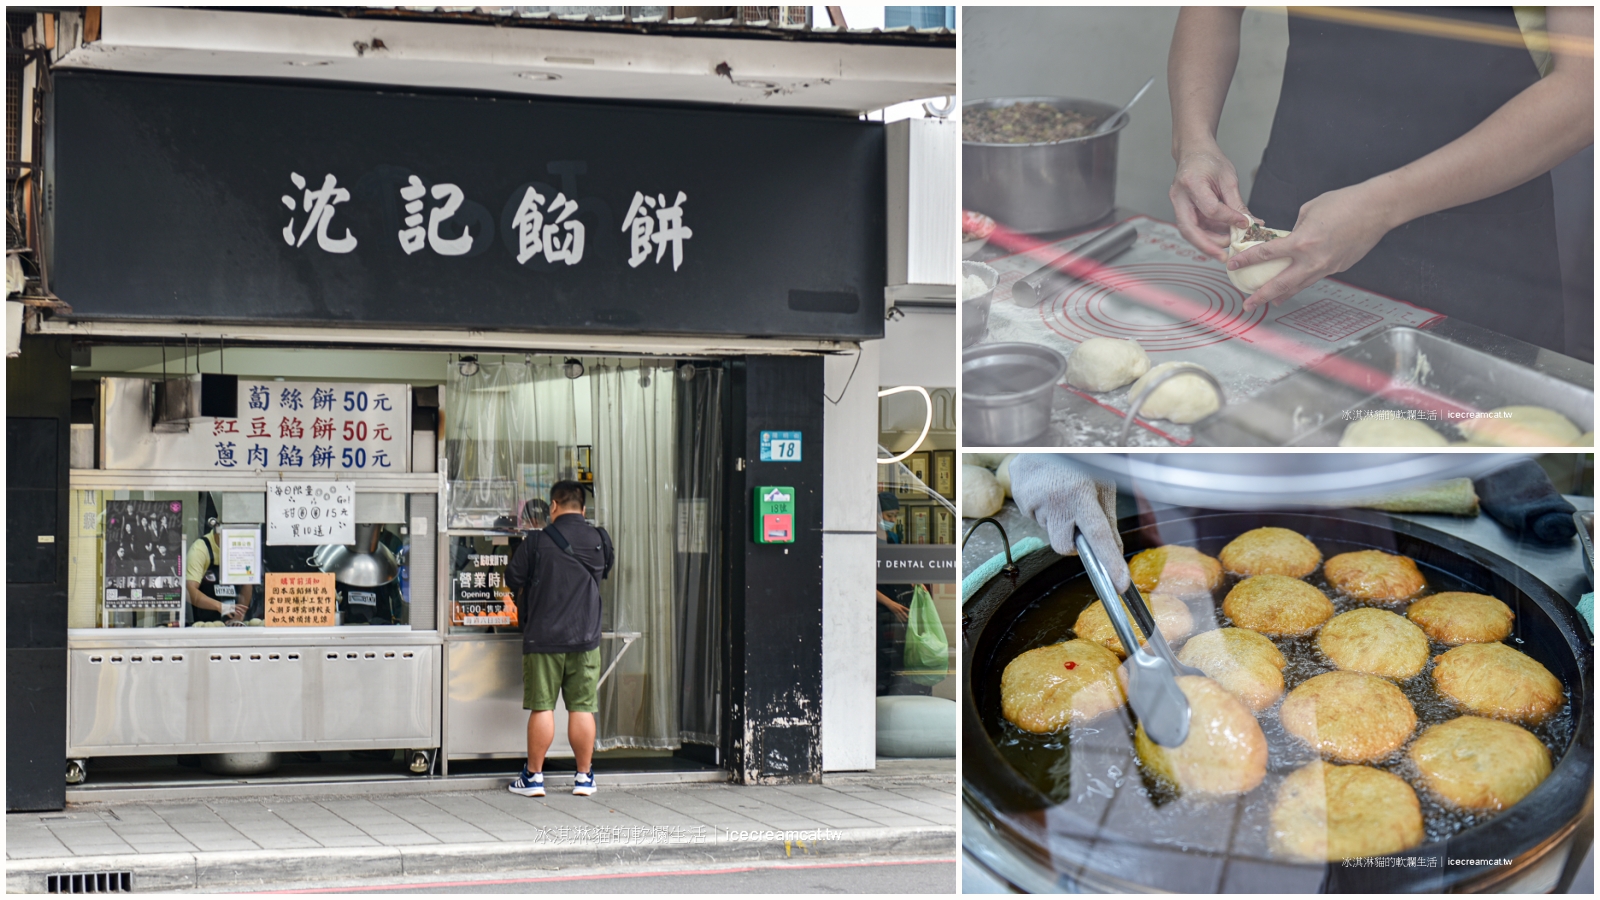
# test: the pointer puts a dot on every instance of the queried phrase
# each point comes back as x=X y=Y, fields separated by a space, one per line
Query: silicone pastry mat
x=1180 y=306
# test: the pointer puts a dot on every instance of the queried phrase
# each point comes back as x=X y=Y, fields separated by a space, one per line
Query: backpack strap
x=566 y=547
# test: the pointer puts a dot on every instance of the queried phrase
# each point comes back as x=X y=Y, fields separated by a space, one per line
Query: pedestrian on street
x=555 y=575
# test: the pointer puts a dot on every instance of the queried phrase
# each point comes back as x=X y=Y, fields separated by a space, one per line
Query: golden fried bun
x=1225 y=752
x=1457 y=617
x=1327 y=813
x=1242 y=661
x=1374 y=641
x=1271 y=551
x=1277 y=605
x=1349 y=716
x=1480 y=764
x=1175 y=569
x=1374 y=575
x=1048 y=688
x=1173 y=619
x=1496 y=681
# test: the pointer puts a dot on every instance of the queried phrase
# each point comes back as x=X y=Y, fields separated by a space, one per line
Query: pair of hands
x=1334 y=231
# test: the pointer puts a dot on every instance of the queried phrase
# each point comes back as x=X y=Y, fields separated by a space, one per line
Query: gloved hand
x=1065 y=500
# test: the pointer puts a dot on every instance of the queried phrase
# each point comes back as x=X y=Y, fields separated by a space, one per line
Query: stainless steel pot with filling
x=1074 y=811
x=1044 y=186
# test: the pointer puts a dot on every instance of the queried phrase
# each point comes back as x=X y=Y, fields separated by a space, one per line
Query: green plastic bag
x=927 y=658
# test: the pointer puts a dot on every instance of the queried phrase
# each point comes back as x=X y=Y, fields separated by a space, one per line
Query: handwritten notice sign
x=318 y=512
x=300 y=599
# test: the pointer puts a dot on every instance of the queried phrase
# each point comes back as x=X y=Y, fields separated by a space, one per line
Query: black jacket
x=558 y=593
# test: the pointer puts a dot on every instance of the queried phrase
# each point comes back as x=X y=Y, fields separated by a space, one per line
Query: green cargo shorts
x=575 y=675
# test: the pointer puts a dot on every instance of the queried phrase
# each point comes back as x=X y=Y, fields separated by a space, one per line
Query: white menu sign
x=318 y=512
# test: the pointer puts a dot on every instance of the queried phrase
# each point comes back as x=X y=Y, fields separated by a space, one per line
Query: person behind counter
x=1409 y=152
x=555 y=575
x=210 y=601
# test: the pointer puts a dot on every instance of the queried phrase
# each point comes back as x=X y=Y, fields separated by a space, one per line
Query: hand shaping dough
x=1002 y=473
x=980 y=493
x=1181 y=398
x=1521 y=426
x=1250 y=278
x=1105 y=364
x=1391 y=433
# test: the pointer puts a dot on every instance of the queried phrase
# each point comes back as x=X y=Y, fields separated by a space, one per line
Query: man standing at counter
x=555 y=575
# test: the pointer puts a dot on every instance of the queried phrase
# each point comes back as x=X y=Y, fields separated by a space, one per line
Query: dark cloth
x=1360 y=101
x=558 y=594
x=1521 y=498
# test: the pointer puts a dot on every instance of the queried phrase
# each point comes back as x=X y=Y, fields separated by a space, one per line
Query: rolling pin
x=1028 y=291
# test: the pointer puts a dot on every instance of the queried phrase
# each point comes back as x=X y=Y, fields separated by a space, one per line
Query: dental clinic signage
x=275 y=203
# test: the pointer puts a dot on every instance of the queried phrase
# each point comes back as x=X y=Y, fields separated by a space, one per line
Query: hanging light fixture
x=469 y=366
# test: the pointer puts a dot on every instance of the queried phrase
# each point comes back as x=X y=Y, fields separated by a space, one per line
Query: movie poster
x=144 y=555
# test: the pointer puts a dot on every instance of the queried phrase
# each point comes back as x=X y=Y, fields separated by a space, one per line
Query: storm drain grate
x=90 y=883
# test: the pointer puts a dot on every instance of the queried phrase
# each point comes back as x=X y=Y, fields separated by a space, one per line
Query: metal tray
x=1309 y=408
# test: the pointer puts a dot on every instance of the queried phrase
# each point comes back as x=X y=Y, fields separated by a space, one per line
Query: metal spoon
x=1153 y=690
x=1105 y=126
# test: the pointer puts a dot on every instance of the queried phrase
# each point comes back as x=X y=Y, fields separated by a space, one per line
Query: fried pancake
x=1242 y=661
x=1480 y=764
x=1175 y=569
x=1225 y=752
x=1327 y=813
x=1173 y=619
x=1349 y=716
x=1374 y=575
x=1458 y=617
x=1271 y=551
x=1277 y=605
x=1496 y=681
x=1374 y=641
x=1048 y=688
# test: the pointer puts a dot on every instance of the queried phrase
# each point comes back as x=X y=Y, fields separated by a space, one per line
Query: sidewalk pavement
x=241 y=842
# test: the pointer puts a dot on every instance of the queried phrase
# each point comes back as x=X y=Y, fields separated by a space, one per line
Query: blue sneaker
x=528 y=784
x=583 y=783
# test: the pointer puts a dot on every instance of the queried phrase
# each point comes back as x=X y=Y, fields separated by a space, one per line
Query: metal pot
x=1040 y=188
x=1007 y=393
x=975 y=311
x=1035 y=841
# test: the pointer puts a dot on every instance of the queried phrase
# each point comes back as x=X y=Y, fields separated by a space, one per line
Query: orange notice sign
x=299 y=599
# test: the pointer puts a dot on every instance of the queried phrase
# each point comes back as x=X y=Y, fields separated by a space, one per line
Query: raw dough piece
x=1391 y=433
x=980 y=493
x=1521 y=426
x=1105 y=364
x=1250 y=278
x=1182 y=398
x=1002 y=473
x=987 y=460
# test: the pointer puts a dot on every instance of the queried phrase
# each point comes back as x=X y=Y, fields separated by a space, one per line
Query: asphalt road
x=840 y=877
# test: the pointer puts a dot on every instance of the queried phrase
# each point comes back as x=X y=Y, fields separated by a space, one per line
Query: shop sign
x=780 y=446
x=181 y=198
x=317 y=512
x=241 y=555
x=916 y=564
x=144 y=555
x=481 y=595
x=299 y=599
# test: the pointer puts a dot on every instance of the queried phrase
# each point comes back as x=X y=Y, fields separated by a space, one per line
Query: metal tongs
x=1153 y=691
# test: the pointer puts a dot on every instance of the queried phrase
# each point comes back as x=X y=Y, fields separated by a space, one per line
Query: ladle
x=1105 y=126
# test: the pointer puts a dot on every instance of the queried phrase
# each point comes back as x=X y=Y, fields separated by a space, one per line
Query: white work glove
x=227 y=608
x=1065 y=500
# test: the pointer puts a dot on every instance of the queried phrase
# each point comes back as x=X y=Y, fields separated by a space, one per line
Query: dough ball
x=1048 y=688
x=1250 y=278
x=1391 y=433
x=1374 y=575
x=986 y=460
x=1105 y=364
x=1348 y=716
x=1480 y=764
x=1225 y=752
x=1277 y=605
x=1458 y=617
x=1242 y=661
x=1002 y=473
x=980 y=493
x=1175 y=569
x=1181 y=398
x=1173 y=619
x=1496 y=681
x=1374 y=641
x=1520 y=426
x=1271 y=551
x=1326 y=813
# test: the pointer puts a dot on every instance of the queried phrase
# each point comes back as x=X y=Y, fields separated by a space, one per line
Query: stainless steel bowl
x=1038 y=188
x=975 y=312
x=1007 y=392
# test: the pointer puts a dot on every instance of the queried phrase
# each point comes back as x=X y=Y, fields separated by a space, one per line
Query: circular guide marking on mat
x=1085 y=310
